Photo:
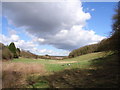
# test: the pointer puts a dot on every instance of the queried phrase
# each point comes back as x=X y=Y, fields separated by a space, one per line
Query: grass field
x=57 y=65
x=62 y=70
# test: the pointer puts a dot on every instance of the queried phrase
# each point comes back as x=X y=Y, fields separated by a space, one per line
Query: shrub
x=5 y=52
x=18 y=51
x=13 y=49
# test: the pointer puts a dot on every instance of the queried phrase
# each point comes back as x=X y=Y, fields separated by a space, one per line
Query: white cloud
x=14 y=38
x=53 y=52
x=35 y=39
x=26 y=45
x=4 y=39
x=73 y=38
x=89 y=9
x=57 y=24
x=93 y=9
x=30 y=45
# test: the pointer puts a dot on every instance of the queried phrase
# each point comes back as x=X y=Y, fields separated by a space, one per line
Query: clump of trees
x=10 y=51
x=15 y=51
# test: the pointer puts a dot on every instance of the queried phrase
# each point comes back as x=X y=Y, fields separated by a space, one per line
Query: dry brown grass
x=15 y=74
x=63 y=62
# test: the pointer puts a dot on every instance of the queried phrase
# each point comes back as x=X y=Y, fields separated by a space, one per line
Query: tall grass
x=15 y=74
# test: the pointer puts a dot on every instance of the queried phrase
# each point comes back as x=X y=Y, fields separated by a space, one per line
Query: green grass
x=102 y=72
x=39 y=82
x=82 y=62
x=56 y=65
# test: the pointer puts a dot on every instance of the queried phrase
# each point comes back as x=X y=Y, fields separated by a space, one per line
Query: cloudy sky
x=55 y=28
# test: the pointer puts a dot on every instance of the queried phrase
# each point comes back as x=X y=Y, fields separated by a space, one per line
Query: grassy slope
x=90 y=70
x=57 y=65
x=102 y=73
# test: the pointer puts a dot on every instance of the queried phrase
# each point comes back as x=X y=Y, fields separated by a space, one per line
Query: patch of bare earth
x=63 y=62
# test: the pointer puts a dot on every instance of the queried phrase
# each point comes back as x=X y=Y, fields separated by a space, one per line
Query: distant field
x=47 y=67
x=57 y=65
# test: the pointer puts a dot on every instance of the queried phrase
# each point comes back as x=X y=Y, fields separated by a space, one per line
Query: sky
x=55 y=28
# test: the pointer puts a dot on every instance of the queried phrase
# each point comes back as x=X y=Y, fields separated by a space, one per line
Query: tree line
x=10 y=51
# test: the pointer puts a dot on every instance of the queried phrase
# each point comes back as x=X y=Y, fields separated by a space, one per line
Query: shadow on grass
x=102 y=73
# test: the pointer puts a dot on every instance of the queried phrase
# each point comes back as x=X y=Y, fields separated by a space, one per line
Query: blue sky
x=101 y=20
x=96 y=25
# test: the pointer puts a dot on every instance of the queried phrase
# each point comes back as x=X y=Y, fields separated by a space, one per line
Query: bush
x=13 y=49
x=18 y=51
x=5 y=52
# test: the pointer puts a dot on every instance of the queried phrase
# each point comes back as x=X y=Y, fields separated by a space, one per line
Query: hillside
x=104 y=45
x=103 y=72
x=90 y=70
x=6 y=54
x=27 y=54
x=84 y=50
